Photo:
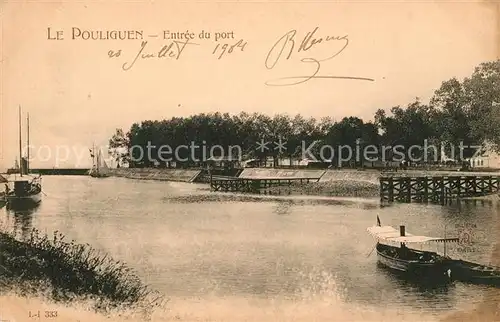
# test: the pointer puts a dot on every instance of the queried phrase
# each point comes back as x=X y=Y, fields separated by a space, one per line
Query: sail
x=99 y=166
x=103 y=164
x=102 y=167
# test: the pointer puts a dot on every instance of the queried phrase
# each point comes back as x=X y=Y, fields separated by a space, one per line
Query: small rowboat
x=470 y=272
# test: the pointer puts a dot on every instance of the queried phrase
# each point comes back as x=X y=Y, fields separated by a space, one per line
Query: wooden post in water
x=441 y=186
x=408 y=189
x=391 y=189
x=381 y=189
x=425 y=184
x=438 y=189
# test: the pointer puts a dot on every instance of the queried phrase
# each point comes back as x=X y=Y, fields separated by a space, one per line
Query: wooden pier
x=436 y=189
x=253 y=185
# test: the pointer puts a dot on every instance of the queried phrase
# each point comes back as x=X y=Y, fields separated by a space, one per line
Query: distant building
x=318 y=164
x=17 y=168
x=224 y=162
x=378 y=164
x=486 y=157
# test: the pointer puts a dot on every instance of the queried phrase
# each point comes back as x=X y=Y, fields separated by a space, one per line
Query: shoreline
x=337 y=188
x=191 y=175
x=331 y=182
x=66 y=272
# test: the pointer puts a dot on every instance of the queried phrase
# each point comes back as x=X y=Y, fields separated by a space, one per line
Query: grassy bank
x=65 y=272
x=338 y=188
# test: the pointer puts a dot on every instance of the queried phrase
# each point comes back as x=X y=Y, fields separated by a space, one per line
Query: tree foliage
x=460 y=113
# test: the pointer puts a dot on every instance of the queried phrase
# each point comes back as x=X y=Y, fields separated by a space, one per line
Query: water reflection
x=423 y=286
x=426 y=291
x=283 y=207
x=23 y=218
x=188 y=242
x=197 y=198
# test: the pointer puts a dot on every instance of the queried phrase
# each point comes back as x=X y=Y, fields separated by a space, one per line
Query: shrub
x=68 y=271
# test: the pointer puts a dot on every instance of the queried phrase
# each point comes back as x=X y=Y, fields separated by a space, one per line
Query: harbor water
x=223 y=257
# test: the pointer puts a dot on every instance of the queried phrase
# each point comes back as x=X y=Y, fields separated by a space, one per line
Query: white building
x=486 y=157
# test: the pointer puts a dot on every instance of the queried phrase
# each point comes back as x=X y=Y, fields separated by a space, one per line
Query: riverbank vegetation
x=66 y=271
x=460 y=112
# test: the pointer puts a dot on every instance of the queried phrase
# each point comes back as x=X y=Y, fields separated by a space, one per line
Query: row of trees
x=461 y=113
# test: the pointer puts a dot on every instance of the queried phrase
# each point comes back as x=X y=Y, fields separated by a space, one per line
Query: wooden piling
x=438 y=189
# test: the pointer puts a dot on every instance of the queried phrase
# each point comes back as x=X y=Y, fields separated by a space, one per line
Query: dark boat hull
x=469 y=272
x=412 y=266
x=25 y=194
x=24 y=201
x=96 y=174
x=99 y=176
x=3 y=199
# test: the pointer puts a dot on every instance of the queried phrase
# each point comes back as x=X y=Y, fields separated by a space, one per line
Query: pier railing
x=436 y=189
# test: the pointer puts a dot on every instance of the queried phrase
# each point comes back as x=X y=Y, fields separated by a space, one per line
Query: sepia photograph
x=230 y=161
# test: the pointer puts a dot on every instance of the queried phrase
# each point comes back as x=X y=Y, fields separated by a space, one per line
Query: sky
x=77 y=95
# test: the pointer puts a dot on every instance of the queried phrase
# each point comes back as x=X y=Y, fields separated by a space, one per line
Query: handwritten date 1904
x=173 y=50
x=226 y=48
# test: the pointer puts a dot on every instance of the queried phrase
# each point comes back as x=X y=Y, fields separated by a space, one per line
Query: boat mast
x=28 y=142
x=20 y=146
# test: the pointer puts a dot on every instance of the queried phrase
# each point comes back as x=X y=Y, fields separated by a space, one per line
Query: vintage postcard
x=249 y=161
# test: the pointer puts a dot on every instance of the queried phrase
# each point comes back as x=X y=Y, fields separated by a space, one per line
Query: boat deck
x=408 y=254
x=17 y=177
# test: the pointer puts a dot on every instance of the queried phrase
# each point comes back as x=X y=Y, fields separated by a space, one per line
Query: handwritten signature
x=286 y=47
x=172 y=50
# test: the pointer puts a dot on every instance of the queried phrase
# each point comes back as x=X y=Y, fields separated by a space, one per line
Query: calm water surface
x=200 y=247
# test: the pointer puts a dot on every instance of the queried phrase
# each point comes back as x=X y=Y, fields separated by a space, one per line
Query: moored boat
x=3 y=199
x=3 y=194
x=474 y=273
x=99 y=166
x=414 y=264
x=23 y=190
x=26 y=192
